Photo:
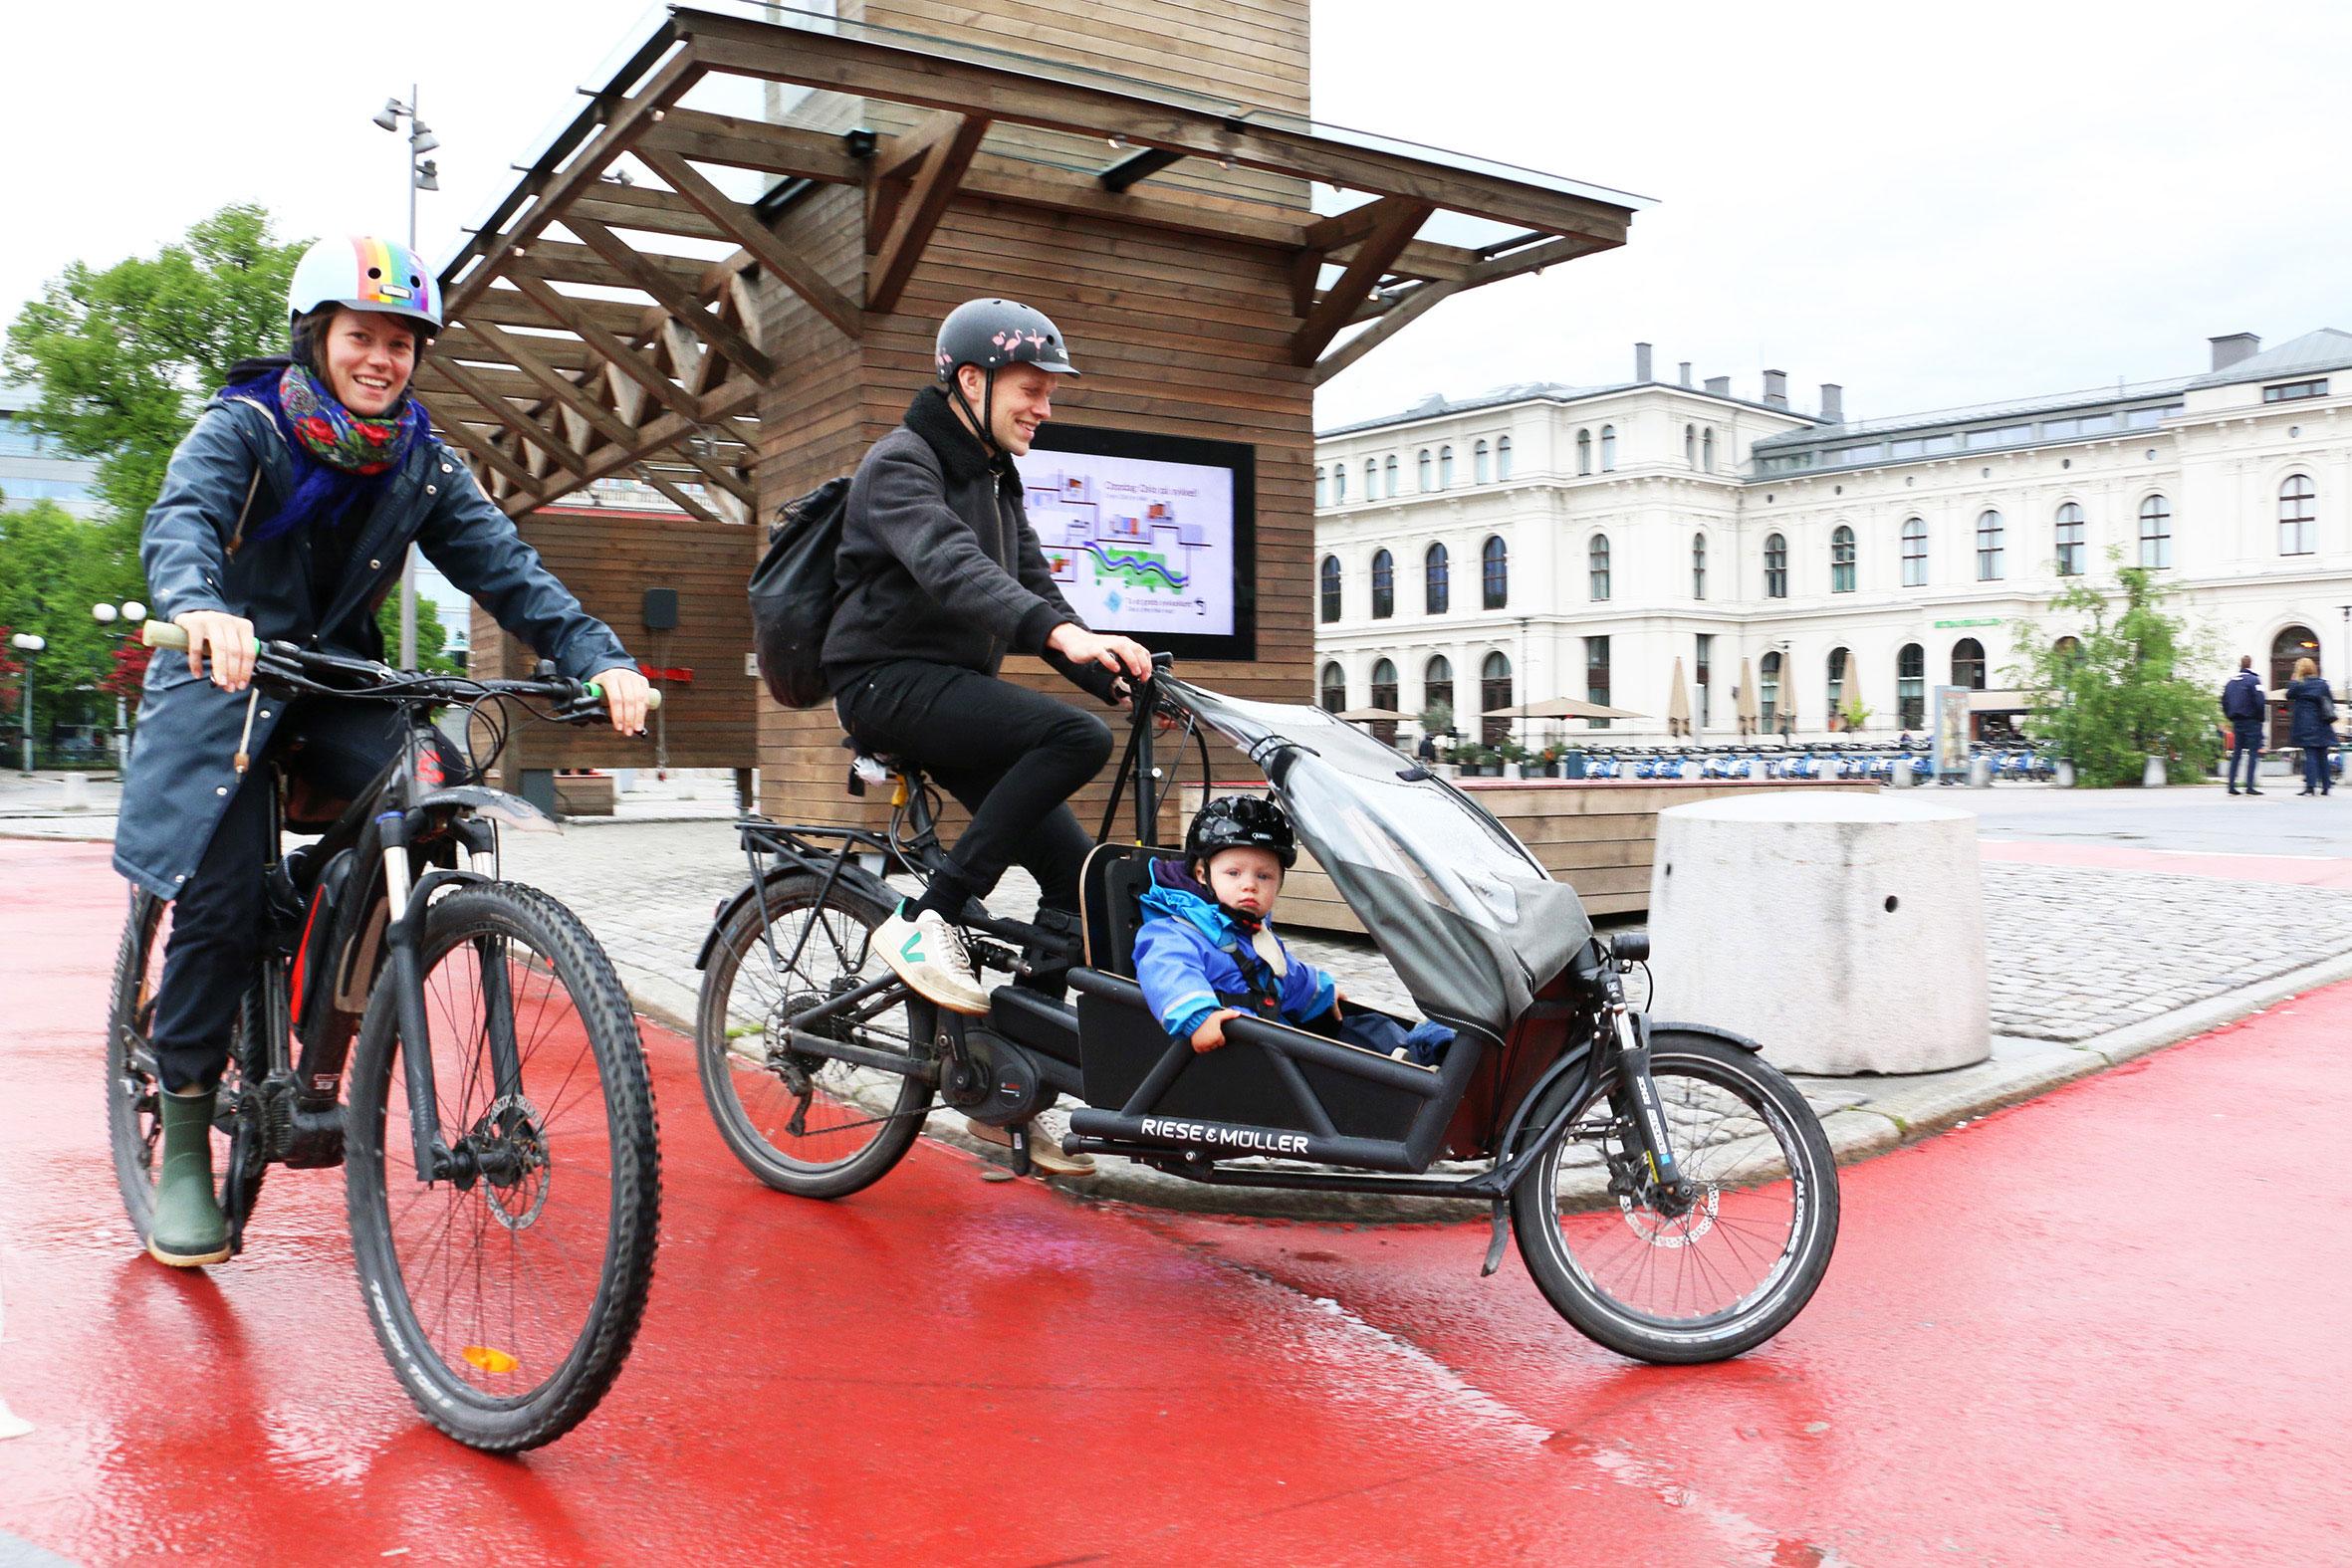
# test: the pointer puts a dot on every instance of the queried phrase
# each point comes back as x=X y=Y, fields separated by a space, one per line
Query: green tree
x=53 y=567
x=432 y=638
x=2120 y=685
x=123 y=355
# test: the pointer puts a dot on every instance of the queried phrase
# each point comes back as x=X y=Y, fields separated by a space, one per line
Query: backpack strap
x=237 y=538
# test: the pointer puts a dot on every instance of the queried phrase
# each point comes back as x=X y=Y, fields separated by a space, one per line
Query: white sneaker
x=928 y=952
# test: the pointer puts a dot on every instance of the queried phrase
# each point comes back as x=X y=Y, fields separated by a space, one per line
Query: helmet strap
x=980 y=417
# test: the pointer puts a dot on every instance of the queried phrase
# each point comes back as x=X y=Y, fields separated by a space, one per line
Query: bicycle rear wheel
x=507 y=1300
x=134 y=1128
x=808 y=1125
x=1737 y=1262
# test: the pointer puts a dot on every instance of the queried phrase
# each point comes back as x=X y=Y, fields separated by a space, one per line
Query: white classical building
x=1546 y=541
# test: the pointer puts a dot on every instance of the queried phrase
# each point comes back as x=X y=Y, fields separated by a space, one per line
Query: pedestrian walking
x=2243 y=705
x=2312 y=724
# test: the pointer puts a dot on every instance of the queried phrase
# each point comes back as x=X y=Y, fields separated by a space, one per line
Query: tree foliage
x=2127 y=686
x=122 y=355
x=53 y=567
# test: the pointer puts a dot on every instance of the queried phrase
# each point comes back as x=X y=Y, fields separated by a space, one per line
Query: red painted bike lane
x=2101 y=1327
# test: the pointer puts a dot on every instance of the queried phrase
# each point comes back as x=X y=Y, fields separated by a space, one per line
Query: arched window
x=1422 y=476
x=1494 y=691
x=1698 y=565
x=2073 y=549
x=1608 y=449
x=1915 y=552
x=1383 y=695
x=2298 y=525
x=1768 y=692
x=1444 y=468
x=1989 y=568
x=1437 y=581
x=1339 y=481
x=1911 y=686
x=1331 y=588
x=1583 y=451
x=1776 y=567
x=1690 y=446
x=1968 y=664
x=1841 y=560
x=1371 y=479
x=2156 y=533
x=1837 y=687
x=2067 y=649
x=1388 y=479
x=1596 y=559
x=1323 y=487
x=1383 y=585
x=1478 y=464
x=1436 y=689
x=1335 y=688
x=1494 y=562
x=1503 y=457
x=1707 y=449
x=1596 y=676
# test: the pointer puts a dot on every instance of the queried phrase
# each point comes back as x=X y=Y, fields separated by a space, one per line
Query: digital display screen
x=1150 y=536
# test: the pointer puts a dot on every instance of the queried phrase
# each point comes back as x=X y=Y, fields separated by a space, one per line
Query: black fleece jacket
x=941 y=561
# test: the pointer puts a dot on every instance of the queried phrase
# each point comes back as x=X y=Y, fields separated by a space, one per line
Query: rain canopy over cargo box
x=1471 y=919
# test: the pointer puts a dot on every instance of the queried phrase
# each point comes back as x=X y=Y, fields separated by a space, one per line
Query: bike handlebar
x=167 y=636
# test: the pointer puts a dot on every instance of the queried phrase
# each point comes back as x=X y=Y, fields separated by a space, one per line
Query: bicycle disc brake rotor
x=515 y=1165
x=1672 y=1230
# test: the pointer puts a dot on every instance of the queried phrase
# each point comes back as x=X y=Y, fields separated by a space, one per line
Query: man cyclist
x=284 y=517
x=947 y=578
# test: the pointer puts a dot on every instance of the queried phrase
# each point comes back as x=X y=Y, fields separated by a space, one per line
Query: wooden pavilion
x=720 y=278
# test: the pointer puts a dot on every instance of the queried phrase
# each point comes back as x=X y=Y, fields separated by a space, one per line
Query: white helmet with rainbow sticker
x=366 y=274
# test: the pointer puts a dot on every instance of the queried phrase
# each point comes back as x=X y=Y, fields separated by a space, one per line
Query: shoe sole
x=914 y=984
x=187 y=1259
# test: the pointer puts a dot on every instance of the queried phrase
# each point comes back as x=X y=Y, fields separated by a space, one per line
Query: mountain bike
x=1672 y=1194
x=502 y=1174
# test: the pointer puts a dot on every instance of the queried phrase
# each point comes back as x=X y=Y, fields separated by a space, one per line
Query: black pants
x=1012 y=755
x=335 y=748
x=2316 y=773
x=2246 y=742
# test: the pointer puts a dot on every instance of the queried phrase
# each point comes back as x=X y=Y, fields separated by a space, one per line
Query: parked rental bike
x=1672 y=1194
x=503 y=1184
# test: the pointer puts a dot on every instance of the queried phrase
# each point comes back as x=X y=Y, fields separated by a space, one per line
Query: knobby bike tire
x=133 y=1131
x=1798 y=1160
x=895 y=1114
x=446 y=1396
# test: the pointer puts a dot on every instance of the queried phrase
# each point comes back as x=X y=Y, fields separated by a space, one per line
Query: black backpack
x=794 y=592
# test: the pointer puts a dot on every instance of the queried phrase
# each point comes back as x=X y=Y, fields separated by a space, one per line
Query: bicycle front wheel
x=1717 y=1273
x=810 y=1125
x=507 y=1293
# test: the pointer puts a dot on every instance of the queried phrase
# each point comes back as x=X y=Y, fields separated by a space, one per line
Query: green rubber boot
x=188 y=1230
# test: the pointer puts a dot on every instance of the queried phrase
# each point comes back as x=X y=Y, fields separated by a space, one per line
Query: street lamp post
x=423 y=174
x=28 y=645
x=132 y=612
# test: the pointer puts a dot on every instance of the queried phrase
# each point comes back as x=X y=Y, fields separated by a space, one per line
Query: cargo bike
x=1670 y=1193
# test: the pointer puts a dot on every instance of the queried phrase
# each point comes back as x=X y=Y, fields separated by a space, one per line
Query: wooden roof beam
x=935 y=181
x=755 y=144
x=513 y=472
x=622 y=356
x=514 y=419
x=1400 y=219
x=682 y=306
x=565 y=391
x=738 y=223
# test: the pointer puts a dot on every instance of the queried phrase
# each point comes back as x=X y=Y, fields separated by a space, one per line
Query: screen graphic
x=1136 y=544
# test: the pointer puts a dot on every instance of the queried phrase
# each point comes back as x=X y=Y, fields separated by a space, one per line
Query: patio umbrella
x=1678 y=703
x=1563 y=708
x=1749 y=714
x=1368 y=715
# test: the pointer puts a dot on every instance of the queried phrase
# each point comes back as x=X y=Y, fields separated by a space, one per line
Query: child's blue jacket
x=1190 y=955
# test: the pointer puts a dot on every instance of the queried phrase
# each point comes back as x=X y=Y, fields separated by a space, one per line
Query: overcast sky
x=1984 y=202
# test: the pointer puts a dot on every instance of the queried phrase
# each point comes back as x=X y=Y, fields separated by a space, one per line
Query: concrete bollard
x=1903 y=778
x=2066 y=779
x=1846 y=932
x=76 y=793
x=1980 y=772
x=2152 y=775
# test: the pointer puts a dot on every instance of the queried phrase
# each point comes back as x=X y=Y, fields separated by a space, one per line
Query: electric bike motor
x=1004 y=1085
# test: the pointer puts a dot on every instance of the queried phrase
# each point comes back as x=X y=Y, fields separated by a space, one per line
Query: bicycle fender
x=497 y=804
x=1657 y=1026
x=1573 y=1060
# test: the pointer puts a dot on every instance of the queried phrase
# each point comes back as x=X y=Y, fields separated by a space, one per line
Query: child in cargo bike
x=1206 y=951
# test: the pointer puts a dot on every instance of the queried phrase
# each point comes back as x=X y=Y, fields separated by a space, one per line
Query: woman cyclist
x=285 y=515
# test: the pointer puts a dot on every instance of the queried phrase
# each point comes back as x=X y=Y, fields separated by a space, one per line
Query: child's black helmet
x=1240 y=822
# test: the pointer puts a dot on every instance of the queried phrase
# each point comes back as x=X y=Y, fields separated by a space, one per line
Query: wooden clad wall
x=609 y=563
x=1174 y=334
